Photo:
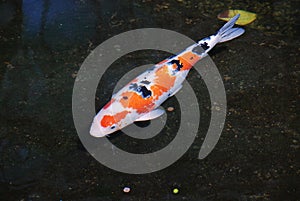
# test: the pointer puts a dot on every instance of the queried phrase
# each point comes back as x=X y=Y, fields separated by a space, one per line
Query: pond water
x=43 y=45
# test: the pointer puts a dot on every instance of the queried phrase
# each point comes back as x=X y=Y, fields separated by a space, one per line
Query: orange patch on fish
x=109 y=120
x=163 y=80
x=136 y=101
x=188 y=59
x=157 y=91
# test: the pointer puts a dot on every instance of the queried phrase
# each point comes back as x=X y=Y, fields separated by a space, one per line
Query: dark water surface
x=42 y=46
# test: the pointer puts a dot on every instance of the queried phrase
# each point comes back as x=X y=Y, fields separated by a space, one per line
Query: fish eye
x=113 y=127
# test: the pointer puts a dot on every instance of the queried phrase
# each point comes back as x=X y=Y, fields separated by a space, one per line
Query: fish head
x=98 y=130
x=109 y=119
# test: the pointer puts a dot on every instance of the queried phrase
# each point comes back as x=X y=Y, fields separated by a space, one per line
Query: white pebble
x=126 y=189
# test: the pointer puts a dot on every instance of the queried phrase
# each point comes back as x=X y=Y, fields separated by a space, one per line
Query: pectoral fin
x=151 y=115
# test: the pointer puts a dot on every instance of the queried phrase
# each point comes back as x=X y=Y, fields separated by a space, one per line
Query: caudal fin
x=224 y=34
x=227 y=32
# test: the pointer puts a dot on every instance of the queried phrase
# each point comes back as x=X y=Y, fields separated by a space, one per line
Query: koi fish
x=139 y=100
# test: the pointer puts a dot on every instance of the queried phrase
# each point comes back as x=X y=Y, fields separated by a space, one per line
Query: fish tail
x=224 y=34
x=227 y=32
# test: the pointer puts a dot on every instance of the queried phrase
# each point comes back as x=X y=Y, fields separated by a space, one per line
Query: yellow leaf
x=245 y=16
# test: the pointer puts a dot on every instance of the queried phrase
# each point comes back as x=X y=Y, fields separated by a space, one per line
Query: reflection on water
x=44 y=42
x=56 y=22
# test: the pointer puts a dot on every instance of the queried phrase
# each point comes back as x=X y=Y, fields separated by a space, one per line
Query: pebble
x=226 y=78
x=74 y=75
x=175 y=190
x=170 y=109
x=126 y=189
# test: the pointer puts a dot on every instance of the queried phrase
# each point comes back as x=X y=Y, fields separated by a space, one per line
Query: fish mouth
x=96 y=130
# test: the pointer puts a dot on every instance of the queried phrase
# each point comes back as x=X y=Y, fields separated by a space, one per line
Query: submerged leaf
x=245 y=16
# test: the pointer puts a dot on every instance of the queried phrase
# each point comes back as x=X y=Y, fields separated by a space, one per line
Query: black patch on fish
x=125 y=97
x=145 y=82
x=141 y=89
x=204 y=45
x=144 y=91
x=177 y=62
x=198 y=50
x=133 y=86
